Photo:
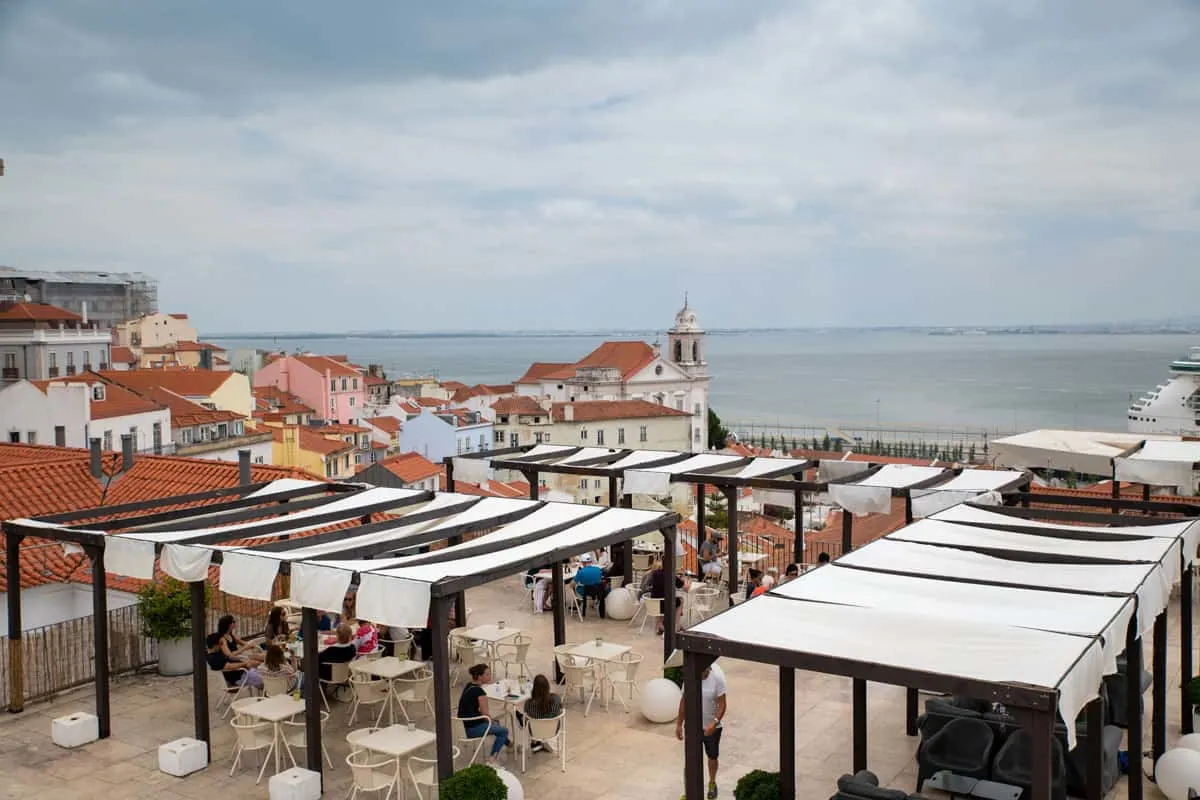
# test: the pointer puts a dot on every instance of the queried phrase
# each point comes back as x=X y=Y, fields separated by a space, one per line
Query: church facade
x=632 y=370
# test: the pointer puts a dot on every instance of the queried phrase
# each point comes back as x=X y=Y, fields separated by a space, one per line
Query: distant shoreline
x=1090 y=330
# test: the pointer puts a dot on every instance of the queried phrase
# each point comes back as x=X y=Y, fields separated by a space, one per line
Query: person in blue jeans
x=474 y=703
x=589 y=582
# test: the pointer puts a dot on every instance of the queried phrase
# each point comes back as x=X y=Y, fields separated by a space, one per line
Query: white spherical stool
x=660 y=701
x=1176 y=771
x=1189 y=741
x=515 y=792
x=620 y=604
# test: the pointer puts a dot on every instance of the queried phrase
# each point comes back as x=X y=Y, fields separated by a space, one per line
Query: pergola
x=269 y=531
x=858 y=487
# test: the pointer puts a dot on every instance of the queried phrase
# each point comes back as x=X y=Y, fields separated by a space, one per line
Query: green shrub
x=1193 y=689
x=166 y=609
x=674 y=674
x=476 y=782
x=758 y=785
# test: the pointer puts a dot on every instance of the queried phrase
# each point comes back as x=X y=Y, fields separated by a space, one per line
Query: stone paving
x=610 y=753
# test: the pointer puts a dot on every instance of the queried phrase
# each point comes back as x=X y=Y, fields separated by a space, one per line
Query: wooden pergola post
x=16 y=658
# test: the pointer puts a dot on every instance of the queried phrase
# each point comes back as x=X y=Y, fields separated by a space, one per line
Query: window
x=328 y=469
x=70 y=359
x=537 y=437
x=260 y=460
x=60 y=436
x=238 y=428
x=354 y=384
x=343 y=384
x=346 y=462
x=679 y=404
x=333 y=385
x=107 y=440
x=696 y=435
x=546 y=436
x=514 y=440
x=583 y=483
x=222 y=431
x=133 y=437
x=187 y=435
x=31 y=437
x=14 y=437
x=10 y=360
x=98 y=391
x=498 y=437
x=583 y=434
x=596 y=485
x=698 y=411
x=352 y=400
x=483 y=441
x=620 y=436
x=600 y=436
x=156 y=434
x=53 y=364
x=87 y=359
x=642 y=435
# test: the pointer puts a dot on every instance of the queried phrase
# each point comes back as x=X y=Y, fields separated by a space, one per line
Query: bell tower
x=685 y=342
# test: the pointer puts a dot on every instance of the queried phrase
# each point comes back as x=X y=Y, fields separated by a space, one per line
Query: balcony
x=75 y=336
x=10 y=374
x=70 y=369
x=52 y=372
x=231 y=443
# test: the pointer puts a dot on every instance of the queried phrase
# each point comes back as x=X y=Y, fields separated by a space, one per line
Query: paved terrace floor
x=611 y=754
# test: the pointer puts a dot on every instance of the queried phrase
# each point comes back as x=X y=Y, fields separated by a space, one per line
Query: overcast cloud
x=291 y=164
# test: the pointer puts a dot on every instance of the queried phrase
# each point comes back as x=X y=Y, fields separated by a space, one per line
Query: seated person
x=474 y=703
x=602 y=559
x=276 y=666
x=366 y=638
x=589 y=582
x=658 y=590
x=228 y=654
x=709 y=555
x=327 y=622
x=395 y=634
x=540 y=601
x=277 y=626
x=339 y=653
x=764 y=586
x=616 y=567
x=822 y=559
x=542 y=704
x=791 y=573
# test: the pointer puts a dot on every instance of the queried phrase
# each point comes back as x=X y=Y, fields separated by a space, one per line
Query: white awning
x=586 y=454
x=1073 y=665
x=900 y=476
x=1186 y=531
x=1085 y=452
x=1161 y=463
x=980 y=480
x=1147 y=581
x=765 y=466
x=1058 y=612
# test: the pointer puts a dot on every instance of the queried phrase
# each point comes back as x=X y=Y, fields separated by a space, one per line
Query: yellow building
x=221 y=391
x=297 y=446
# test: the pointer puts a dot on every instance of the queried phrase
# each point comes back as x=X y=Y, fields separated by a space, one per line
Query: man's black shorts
x=712 y=744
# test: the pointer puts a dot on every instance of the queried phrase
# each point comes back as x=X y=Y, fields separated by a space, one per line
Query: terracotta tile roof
x=462 y=417
x=314 y=442
x=452 y=386
x=185 y=382
x=183 y=347
x=178 y=316
x=493 y=489
x=123 y=355
x=429 y=402
x=628 y=357
x=36 y=312
x=185 y=413
x=165 y=476
x=388 y=424
x=410 y=467
x=866 y=529
x=602 y=410
x=276 y=402
x=519 y=404
x=481 y=390
x=409 y=406
x=341 y=428
x=320 y=364
x=375 y=380
x=1128 y=491
x=544 y=370
x=118 y=401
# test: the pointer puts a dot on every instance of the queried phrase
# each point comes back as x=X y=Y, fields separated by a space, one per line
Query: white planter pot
x=175 y=657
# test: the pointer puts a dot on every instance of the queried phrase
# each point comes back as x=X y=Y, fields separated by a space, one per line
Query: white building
x=635 y=371
x=154 y=330
x=39 y=342
x=70 y=412
x=438 y=434
x=631 y=424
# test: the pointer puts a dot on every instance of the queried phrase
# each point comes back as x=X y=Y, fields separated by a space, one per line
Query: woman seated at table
x=366 y=638
x=278 y=629
x=658 y=591
x=338 y=653
x=228 y=654
x=276 y=666
x=542 y=704
x=474 y=703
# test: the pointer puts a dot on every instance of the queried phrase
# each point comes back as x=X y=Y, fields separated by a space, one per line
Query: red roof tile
x=410 y=467
x=543 y=370
x=118 y=401
x=321 y=364
x=123 y=355
x=626 y=357
x=36 y=312
x=520 y=404
x=388 y=424
x=185 y=382
x=178 y=316
x=314 y=442
x=185 y=413
x=602 y=410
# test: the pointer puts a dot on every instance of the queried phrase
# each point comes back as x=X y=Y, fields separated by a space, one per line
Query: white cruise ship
x=1173 y=407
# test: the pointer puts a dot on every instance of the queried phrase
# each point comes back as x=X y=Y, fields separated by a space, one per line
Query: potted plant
x=1193 y=690
x=757 y=785
x=674 y=675
x=476 y=782
x=165 y=606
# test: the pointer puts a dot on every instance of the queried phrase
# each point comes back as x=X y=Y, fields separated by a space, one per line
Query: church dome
x=685 y=320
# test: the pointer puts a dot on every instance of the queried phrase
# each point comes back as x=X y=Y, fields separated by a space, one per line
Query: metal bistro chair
x=551 y=729
x=423 y=772
x=339 y=676
x=413 y=690
x=474 y=744
x=373 y=773
x=702 y=601
x=514 y=653
x=369 y=691
x=623 y=672
x=295 y=735
x=254 y=737
x=275 y=684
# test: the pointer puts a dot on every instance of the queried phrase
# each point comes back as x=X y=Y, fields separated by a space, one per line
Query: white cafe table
x=522 y=691
x=602 y=653
x=397 y=740
x=275 y=710
x=389 y=668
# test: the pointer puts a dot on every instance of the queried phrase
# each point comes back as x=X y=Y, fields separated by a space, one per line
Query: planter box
x=75 y=729
x=182 y=757
x=175 y=657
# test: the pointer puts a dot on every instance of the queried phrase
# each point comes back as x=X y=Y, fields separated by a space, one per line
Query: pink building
x=334 y=389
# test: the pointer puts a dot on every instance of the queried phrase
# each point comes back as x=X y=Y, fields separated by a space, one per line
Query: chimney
x=545 y=402
x=568 y=412
x=83 y=312
x=244 y=468
x=126 y=452
x=97 y=462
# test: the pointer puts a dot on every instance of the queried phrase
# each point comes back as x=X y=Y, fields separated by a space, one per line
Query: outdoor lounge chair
x=864 y=785
x=962 y=746
x=1114 y=687
x=1013 y=765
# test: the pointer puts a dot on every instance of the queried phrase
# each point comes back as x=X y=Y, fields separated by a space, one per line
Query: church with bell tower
x=632 y=370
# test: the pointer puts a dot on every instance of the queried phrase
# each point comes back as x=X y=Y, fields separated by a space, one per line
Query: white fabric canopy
x=285 y=485
x=1074 y=665
x=1086 y=452
x=1186 y=531
x=696 y=462
x=485 y=509
x=1147 y=581
x=765 y=466
x=639 y=457
x=471 y=470
x=541 y=451
x=1161 y=463
x=836 y=470
x=641 y=481
x=586 y=454
x=900 y=476
x=979 y=480
x=861 y=500
x=1059 y=612
x=930 y=531
x=390 y=596
x=927 y=502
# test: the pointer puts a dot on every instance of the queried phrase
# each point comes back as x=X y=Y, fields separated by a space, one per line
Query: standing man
x=713 y=706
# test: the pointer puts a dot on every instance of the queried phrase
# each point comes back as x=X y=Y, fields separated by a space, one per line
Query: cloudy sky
x=292 y=164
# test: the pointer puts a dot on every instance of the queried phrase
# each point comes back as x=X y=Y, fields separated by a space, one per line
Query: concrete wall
x=24 y=409
x=58 y=602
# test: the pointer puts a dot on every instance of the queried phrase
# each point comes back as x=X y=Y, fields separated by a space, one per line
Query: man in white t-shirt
x=712 y=706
